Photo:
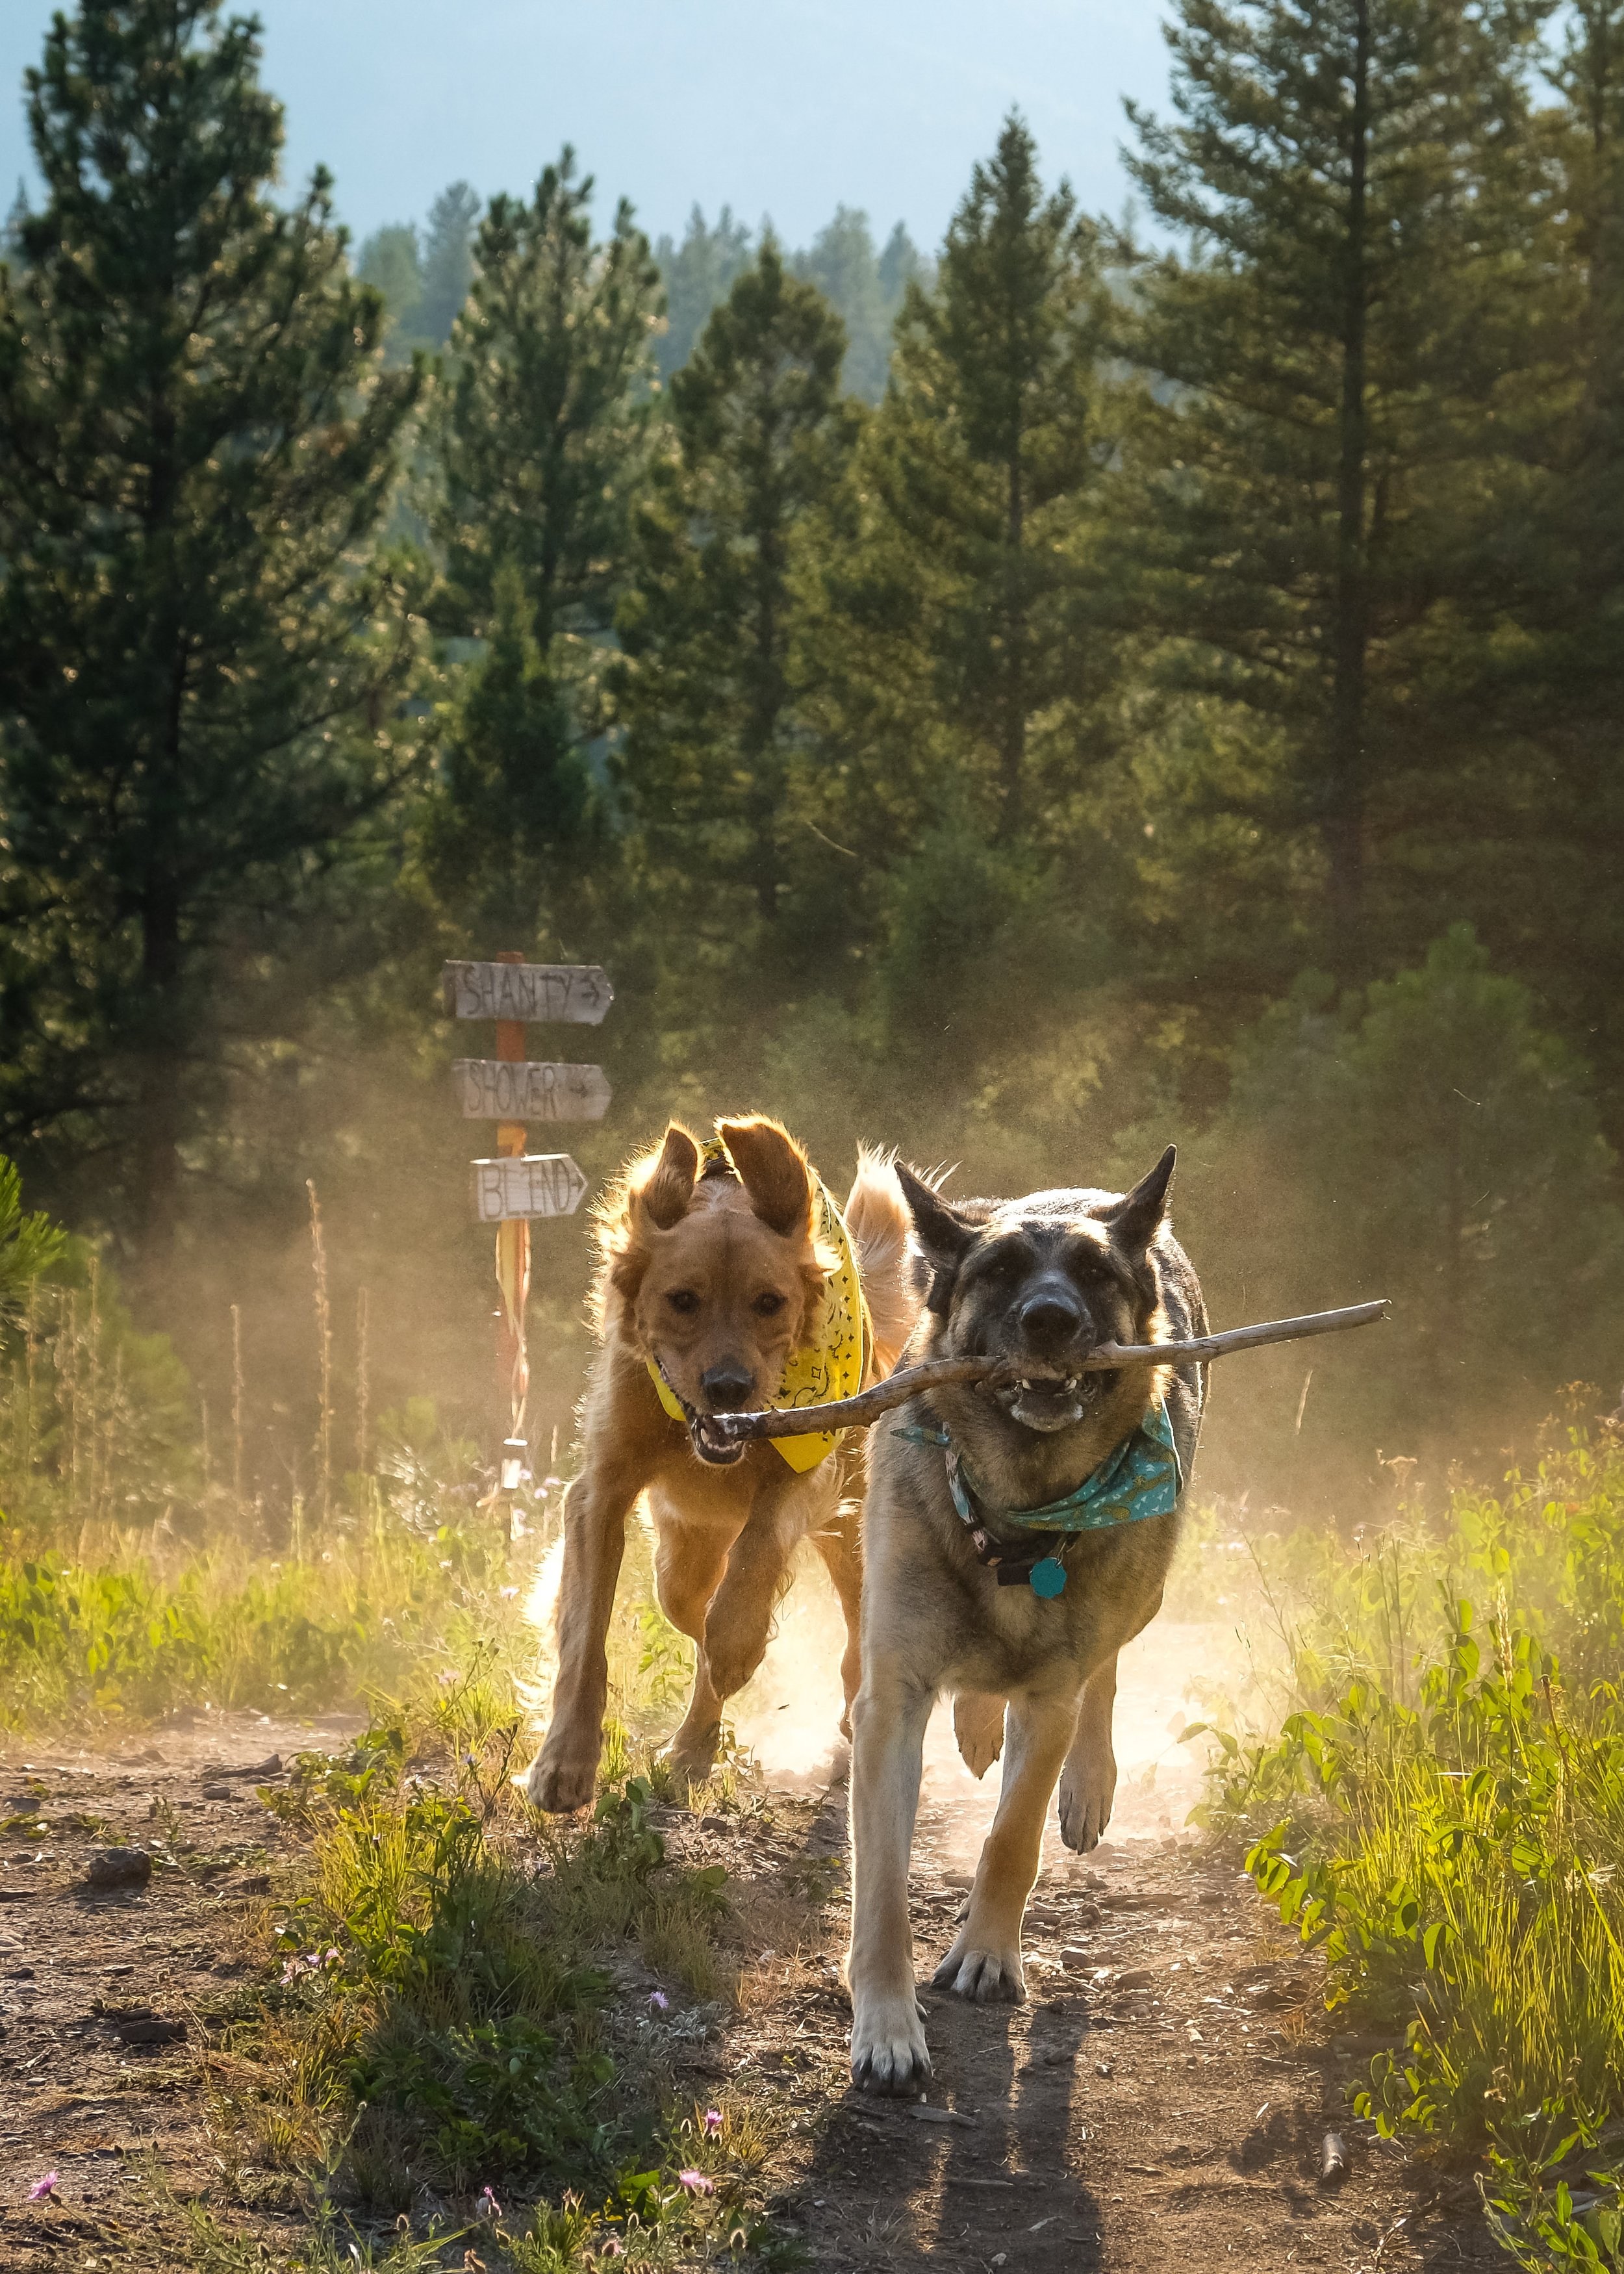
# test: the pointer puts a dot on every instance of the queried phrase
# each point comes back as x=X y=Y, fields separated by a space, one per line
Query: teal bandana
x=1142 y=1478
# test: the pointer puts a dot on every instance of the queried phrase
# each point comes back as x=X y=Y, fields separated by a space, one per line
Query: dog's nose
x=1050 y=1317
x=727 y=1386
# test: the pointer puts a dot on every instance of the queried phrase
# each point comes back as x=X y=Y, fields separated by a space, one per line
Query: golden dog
x=716 y=1272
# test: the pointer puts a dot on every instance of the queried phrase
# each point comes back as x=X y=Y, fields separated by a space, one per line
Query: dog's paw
x=889 y=2053
x=560 y=1784
x=986 y=1972
x=978 y=1725
x=1085 y=1797
x=691 y=1752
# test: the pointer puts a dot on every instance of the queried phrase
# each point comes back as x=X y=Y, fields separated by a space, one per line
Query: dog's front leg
x=984 y=1961
x=1088 y=1780
x=888 y=1744
x=739 y=1623
x=596 y=1508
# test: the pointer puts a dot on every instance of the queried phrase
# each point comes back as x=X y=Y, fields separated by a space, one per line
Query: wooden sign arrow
x=527 y=1185
x=579 y=993
x=505 y=1089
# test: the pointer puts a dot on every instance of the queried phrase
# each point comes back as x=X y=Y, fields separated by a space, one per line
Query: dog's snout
x=1051 y=1316
x=727 y=1386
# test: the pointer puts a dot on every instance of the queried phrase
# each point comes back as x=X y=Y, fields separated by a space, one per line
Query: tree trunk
x=1012 y=752
x=760 y=742
x=1343 y=792
x=159 y=1109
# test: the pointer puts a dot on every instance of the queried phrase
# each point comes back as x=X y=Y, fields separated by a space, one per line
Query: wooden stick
x=858 y=1412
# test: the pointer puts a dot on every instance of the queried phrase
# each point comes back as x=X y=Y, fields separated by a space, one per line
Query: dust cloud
x=789 y=1717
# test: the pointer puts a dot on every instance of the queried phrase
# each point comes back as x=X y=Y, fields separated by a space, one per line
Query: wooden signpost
x=516 y=1186
x=500 y=1090
x=513 y=1190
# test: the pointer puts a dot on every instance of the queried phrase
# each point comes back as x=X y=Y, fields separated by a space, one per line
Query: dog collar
x=1142 y=1477
x=831 y=1363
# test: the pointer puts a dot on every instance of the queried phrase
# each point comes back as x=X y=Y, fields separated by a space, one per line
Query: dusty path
x=1160 y=2102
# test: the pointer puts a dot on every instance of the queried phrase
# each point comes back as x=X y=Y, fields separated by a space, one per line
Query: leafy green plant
x=1442 y=1817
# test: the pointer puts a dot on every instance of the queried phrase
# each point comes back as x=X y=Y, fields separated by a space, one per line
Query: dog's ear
x=1135 y=1218
x=667 y=1192
x=943 y=1235
x=773 y=1171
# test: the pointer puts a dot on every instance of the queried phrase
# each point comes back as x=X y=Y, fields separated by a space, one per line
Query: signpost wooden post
x=516 y=1188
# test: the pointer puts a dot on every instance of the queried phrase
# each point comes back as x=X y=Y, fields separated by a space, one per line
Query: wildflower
x=42 y=2188
x=446 y=1677
x=507 y=1593
x=612 y=2246
x=659 y=2002
x=696 y=2183
x=487 y=2206
x=713 y=2120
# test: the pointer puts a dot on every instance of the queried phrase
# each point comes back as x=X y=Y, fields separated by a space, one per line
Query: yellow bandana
x=834 y=1362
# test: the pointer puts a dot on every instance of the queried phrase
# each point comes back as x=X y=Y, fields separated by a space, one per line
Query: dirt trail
x=1160 y=2102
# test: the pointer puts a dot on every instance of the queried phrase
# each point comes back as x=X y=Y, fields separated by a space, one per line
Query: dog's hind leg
x=887 y=1743
x=1088 y=1780
x=837 y=1544
x=688 y=1564
x=561 y=1776
x=978 y=1724
x=984 y=1961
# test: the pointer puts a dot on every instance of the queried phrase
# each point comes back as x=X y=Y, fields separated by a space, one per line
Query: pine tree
x=198 y=663
x=542 y=433
x=956 y=646
x=697 y=274
x=900 y=265
x=761 y=436
x=841 y=262
x=446 y=264
x=1551 y=911
x=541 y=441
x=391 y=263
x=1338 y=357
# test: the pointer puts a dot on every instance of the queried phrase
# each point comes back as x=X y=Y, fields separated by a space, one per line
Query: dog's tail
x=877 y=1217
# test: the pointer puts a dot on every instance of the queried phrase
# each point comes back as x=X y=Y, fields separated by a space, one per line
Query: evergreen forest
x=1082 y=685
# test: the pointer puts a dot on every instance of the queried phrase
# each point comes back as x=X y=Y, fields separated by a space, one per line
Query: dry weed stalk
x=236 y=1409
x=324 y=1348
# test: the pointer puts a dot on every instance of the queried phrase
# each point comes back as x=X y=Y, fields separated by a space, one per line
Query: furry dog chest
x=1001 y=1637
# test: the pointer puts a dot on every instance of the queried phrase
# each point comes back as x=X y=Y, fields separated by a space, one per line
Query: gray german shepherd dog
x=1021 y=1621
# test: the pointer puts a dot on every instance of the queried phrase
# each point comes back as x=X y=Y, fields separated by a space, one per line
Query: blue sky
x=787 y=106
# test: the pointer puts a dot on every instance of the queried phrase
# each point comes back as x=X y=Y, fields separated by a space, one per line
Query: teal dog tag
x=1048 y=1577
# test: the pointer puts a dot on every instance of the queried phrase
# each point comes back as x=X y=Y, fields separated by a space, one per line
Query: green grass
x=142 y=1634
x=1441 y=1812
x=444 y=2011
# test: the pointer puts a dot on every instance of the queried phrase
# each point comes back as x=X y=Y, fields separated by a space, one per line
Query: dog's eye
x=683 y=1298
x=768 y=1306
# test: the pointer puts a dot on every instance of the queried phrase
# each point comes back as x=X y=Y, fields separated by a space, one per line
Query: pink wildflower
x=42 y=2188
x=507 y=1593
x=659 y=2002
x=488 y=2206
x=713 y=2120
x=696 y=2183
x=612 y=2246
